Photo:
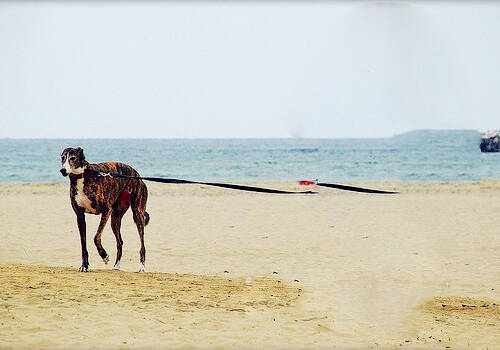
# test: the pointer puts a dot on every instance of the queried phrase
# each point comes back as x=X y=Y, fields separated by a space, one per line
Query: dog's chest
x=81 y=198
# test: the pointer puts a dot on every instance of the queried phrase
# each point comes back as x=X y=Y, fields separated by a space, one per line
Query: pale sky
x=247 y=69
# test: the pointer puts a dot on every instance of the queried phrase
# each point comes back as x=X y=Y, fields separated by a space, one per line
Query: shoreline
x=402 y=187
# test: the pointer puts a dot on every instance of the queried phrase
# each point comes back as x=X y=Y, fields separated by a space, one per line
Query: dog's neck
x=87 y=170
x=76 y=176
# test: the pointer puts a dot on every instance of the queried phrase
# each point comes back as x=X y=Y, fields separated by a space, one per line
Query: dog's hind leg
x=139 y=212
x=116 y=223
x=97 y=238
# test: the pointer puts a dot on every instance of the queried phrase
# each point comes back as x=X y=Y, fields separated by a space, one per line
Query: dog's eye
x=72 y=158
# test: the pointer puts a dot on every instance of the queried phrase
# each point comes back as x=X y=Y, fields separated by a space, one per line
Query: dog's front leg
x=80 y=217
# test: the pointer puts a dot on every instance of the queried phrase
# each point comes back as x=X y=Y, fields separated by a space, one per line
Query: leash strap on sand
x=354 y=188
x=216 y=184
x=344 y=187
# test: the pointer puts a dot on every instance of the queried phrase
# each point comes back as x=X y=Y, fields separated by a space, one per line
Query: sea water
x=418 y=156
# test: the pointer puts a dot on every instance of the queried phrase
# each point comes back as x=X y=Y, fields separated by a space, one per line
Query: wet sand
x=232 y=269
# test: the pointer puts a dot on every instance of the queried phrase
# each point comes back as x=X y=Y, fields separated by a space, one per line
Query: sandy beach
x=226 y=269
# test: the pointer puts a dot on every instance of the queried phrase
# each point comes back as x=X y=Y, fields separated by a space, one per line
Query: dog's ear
x=80 y=154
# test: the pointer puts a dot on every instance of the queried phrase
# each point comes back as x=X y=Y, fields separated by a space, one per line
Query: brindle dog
x=94 y=194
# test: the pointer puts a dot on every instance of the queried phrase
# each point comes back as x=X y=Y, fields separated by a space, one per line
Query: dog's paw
x=83 y=269
x=117 y=266
x=142 y=268
x=106 y=259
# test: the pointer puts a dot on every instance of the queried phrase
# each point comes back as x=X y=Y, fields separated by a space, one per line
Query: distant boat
x=490 y=141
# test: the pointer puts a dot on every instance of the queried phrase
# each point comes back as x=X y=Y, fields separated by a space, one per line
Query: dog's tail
x=146 y=214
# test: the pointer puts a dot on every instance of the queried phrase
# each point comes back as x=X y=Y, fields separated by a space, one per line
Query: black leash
x=216 y=184
x=246 y=188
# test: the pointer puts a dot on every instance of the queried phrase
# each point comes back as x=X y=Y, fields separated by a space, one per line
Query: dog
x=92 y=193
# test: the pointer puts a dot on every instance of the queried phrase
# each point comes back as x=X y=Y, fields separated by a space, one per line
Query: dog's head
x=73 y=161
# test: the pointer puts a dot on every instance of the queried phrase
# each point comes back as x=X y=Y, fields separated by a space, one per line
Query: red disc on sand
x=307 y=182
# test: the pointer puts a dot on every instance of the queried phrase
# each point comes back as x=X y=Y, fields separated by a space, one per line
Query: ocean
x=417 y=156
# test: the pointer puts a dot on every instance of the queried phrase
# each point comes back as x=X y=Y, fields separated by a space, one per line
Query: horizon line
x=234 y=138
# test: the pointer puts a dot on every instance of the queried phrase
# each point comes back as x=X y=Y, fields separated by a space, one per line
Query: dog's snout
x=64 y=172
